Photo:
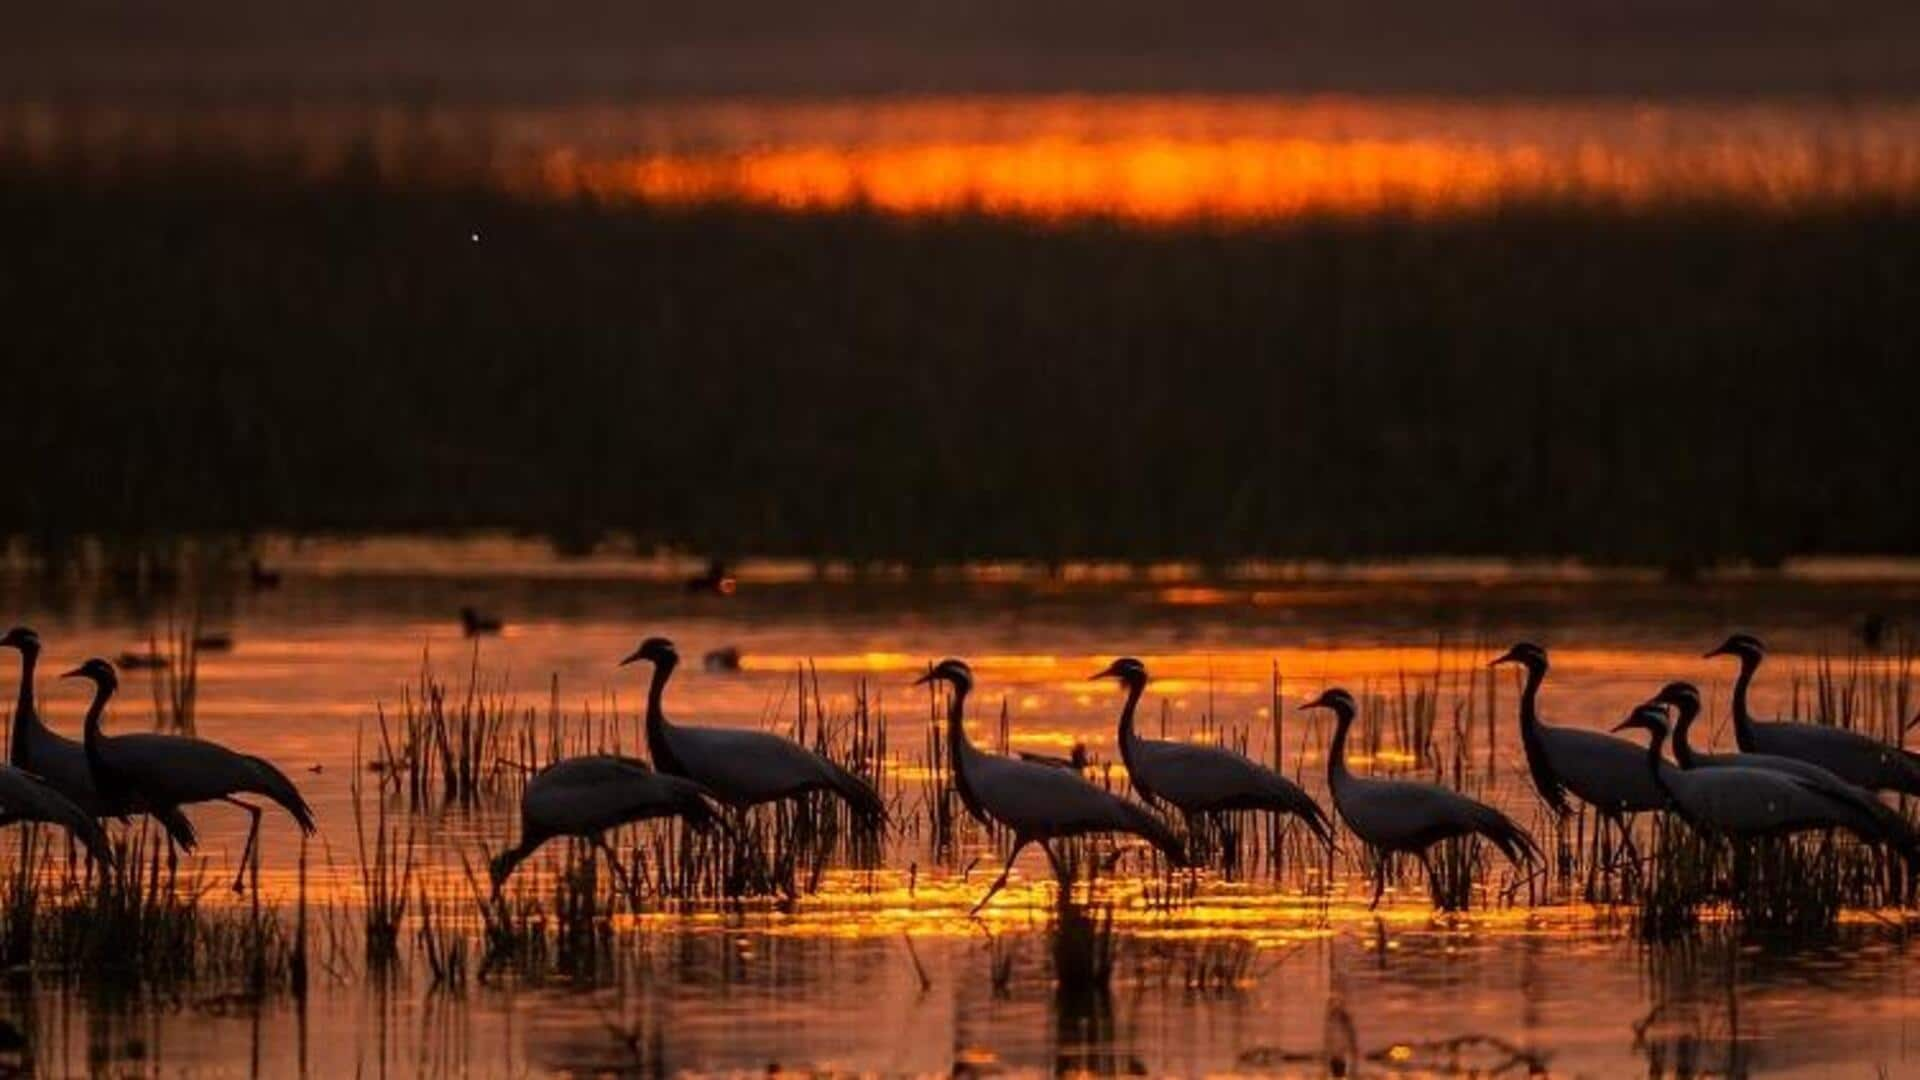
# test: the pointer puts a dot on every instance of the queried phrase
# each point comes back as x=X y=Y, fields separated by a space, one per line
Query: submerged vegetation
x=249 y=347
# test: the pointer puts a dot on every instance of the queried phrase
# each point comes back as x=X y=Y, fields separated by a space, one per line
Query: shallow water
x=832 y=984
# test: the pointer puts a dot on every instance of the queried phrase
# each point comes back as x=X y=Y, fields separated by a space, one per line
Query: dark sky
x=535 y=48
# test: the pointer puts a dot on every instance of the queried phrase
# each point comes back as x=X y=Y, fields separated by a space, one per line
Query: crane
x=1393 y=816
x=1202 y=779
x=1037 y=803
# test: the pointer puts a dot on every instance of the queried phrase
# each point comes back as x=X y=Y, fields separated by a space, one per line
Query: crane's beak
x=1108 y=672
x=76 y=673
x=636 y=655
x=924 y=679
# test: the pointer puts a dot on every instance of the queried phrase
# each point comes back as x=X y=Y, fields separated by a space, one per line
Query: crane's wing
x=1604 y=771
x=1856 y=758
x=586 y=795
x=749 y=767
x=27 y=797
x=1756 y=801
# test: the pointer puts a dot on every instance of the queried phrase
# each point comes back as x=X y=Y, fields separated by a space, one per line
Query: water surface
x=832 y=984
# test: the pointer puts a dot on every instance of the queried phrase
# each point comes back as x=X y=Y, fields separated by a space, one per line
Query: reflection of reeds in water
x=142 y=924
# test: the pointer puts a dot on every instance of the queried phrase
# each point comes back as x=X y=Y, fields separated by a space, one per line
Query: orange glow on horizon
x=1158 y=180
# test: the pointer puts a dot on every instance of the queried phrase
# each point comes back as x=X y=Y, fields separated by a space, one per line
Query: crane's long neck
x=961 y=755
x=1530 y=698
x=1684 y=715
x=1530 y=741
x=1743 y=719
x=657 y=726
x=1654 y=762
x=24 y=714
x=94 y=736
x=1127 y=711
x=1337 y=774
x=959 y=747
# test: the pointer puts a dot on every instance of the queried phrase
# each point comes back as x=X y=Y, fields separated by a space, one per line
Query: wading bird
x=62 y=762
x=1743 y=803
x=1202 y=779
x=1037 y=803
x=169 y=771
x=477 y=623
x=1853 y=757
x=740 y=768
x=586 y=796
x=1874 y=821
x=26 y=797
x=1606 y=773
x=1393 y=816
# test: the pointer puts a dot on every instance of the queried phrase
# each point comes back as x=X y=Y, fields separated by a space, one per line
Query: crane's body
x=1746 y=803
x=1203 y=779
x=166 y=772
x=1607 y=773
x=1037 y=803
x=586 y=796
x=38 y=749
x=1855 y=758
x=1860 y=811
x=62 y=764
x=26 y=797
x=740 y=768
x=1408 y=816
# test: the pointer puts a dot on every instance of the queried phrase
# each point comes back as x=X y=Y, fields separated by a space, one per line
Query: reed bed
x=1375 y=348
x=580 y=915
x=144 y=926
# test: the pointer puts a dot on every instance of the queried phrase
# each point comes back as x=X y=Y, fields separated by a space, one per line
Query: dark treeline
x=225 y=351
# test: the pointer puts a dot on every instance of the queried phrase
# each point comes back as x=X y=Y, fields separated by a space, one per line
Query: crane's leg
x=1379 y=878
x=251 y=851
x=1001 y=881
x=1624 y=823
x=1059 y=871
x=1433 y=882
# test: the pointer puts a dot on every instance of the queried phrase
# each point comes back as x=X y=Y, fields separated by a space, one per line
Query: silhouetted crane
x=1853 y=757
x=26 y=797
x=586 y=796
x=1037 y=803
x=1738 y=802
x=62 y=762
x=170 y=771
x=1202 y=779
x=1606 y=773
x=740 y=768
x=1393 y=816
x=1874 y=821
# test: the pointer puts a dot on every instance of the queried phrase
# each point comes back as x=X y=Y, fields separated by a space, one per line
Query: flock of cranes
x=1785 y=778
x=51 y=778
